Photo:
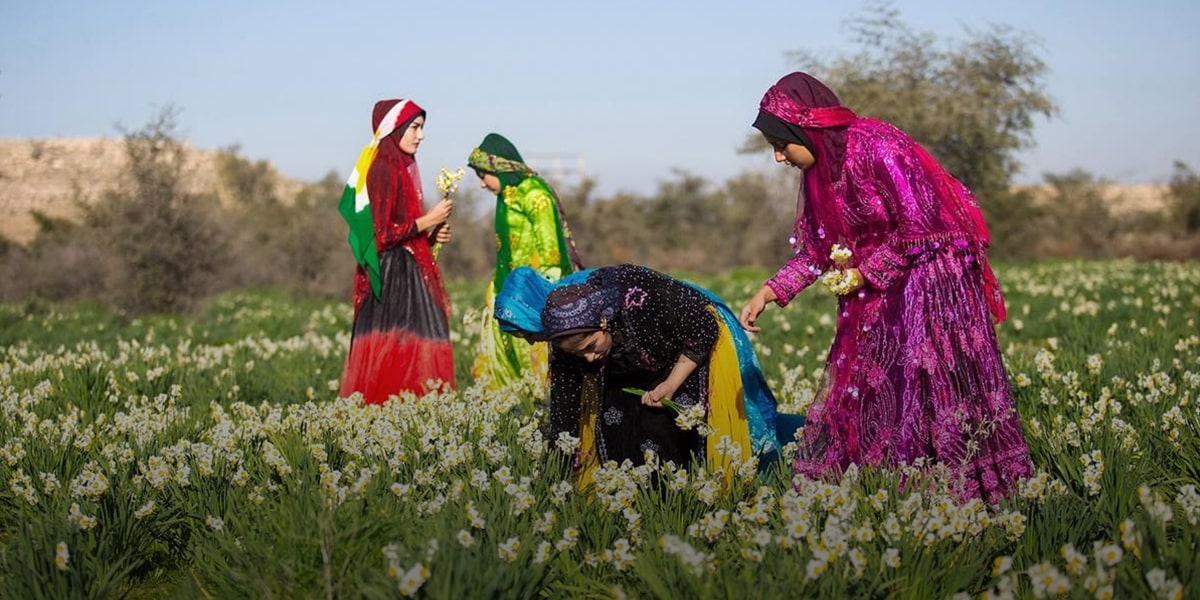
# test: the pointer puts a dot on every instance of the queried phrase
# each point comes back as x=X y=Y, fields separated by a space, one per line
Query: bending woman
x=531 y=232
x=401 y=338
x=625 y=326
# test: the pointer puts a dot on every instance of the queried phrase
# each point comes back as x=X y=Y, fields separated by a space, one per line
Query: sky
x=635 y=88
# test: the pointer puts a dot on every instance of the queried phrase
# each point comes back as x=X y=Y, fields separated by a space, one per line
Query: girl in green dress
x=530 y=231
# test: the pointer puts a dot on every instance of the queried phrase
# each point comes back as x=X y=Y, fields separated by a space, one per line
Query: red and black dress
x=401 y=339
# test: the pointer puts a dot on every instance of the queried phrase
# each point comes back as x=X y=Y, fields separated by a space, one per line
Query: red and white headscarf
x=395 y=113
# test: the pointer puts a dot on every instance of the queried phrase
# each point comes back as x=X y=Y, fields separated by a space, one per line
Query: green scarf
x=498 y=156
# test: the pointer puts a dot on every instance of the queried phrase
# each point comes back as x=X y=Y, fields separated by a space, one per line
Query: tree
x=1183 y=193
x=1080 y=220
x=247 y=183
x=51 y=230
x=7 y=247
x=1017 y=223
x=311 y=241
x=682 y=209
x=257 y=223
x=971 y=102
x=759 y=210
x=165 y=241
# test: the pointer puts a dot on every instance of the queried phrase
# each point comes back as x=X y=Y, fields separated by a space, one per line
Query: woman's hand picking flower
x=656 y=396
x=754 y=307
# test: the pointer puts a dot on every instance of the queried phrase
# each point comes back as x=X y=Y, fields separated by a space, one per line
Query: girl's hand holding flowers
x=842 y=280
x=442 y=234
x=447 y=182
x=437 y=215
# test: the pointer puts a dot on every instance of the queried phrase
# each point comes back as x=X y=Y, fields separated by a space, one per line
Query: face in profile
x=792 y=154
x=488 y=181
x=413 y=136
x=590 y=346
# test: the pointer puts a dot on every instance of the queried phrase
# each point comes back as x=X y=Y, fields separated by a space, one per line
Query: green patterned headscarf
x=499 y=157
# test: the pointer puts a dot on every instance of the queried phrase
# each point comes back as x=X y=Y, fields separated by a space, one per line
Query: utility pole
x=560 y=169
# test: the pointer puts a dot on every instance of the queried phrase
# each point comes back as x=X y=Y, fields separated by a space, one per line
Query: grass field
x=208 y=456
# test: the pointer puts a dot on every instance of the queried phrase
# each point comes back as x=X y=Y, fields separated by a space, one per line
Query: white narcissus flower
x=1109 y=554
x=566 y=443
x=214 y=523
x=62 y=557
x=1075 y=560
x=145 y=510
x=76 y=517
x=465 y=539
x=412 y=580
x=815 y=568
x=508 y=549
x=840 y=255
x=543 y=553
x=1001 y=565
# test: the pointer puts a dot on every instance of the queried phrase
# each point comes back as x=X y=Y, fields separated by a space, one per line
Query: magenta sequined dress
x=915 y=368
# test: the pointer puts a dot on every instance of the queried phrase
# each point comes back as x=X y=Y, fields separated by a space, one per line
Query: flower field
x=208 y=457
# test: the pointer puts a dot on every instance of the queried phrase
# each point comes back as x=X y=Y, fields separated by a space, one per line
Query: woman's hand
x=441 y=233
x=660 y=392
x=754 y=307
x=683 y=368
x=436 y=215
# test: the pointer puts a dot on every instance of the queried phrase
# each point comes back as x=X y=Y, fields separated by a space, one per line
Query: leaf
x=667 y=402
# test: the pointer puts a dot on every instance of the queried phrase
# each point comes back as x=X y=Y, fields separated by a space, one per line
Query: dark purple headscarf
x=580 y=307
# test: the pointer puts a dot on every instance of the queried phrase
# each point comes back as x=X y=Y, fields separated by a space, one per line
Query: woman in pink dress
x=915 y=369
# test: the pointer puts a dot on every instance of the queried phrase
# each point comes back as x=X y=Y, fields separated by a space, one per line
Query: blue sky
x=634 y=87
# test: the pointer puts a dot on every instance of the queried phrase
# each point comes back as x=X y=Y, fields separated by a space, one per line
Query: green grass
x=263 y=484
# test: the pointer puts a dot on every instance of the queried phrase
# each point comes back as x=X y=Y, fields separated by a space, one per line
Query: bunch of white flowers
x=1093 y=469
x=841 y=280
x=697 y=562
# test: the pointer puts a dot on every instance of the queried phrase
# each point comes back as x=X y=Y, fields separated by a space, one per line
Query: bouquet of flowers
x=447 y=182
x=841 y=280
